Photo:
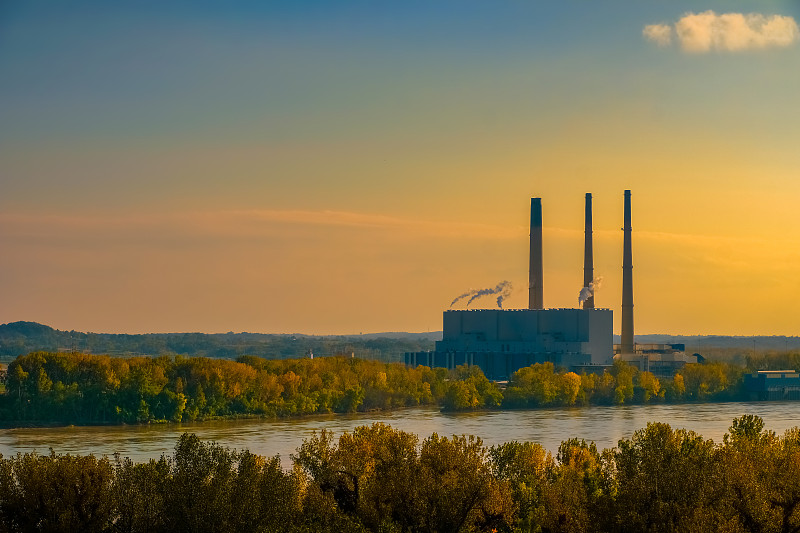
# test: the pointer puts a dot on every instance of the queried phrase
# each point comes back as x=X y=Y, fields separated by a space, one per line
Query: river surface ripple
x=604 y=425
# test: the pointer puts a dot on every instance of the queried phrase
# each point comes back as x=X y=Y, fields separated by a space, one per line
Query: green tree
x=569 y=388
x=457 y=489
x=139 y=492
x=55 y=493
x=760 y=473
x=525 y=467
x=668 y=480
x=646 y=387
x=676 y=389
x=623 y=375
x=580 y=489
x=533 y=386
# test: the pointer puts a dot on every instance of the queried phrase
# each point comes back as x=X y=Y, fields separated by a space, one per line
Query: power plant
x=501 y=341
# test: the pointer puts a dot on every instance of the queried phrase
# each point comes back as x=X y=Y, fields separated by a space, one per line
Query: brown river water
x=603 y=425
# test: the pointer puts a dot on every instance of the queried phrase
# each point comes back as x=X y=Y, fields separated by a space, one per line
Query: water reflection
x=604 y=425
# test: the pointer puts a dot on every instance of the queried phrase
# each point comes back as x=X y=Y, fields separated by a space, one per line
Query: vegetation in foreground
x=379 y=479
x=76 y=388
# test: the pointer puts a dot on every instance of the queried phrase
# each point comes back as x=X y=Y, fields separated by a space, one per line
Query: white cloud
x=661 y=34
x=728 y=32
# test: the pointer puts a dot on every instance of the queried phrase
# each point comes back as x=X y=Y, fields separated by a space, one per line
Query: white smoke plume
x=585 y=294
x=588 y=292
x=502 y=290
x=726 y=32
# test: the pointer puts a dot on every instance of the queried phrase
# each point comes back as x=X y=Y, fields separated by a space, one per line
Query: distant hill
x=744 y=343
x=18 y=338
x=430 y=335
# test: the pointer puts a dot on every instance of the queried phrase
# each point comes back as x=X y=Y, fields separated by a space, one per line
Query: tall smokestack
x=627 y=281
x=535 y=300
x=588 y=261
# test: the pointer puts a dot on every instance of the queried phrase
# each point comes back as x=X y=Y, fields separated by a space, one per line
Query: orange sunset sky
x=345 y=167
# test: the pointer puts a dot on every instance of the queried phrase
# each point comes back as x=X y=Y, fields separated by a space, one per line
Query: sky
x=344 y=167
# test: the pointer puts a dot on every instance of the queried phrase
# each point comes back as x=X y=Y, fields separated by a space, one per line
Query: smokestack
x=627 y=281
x=588 y=261
x=535 y=300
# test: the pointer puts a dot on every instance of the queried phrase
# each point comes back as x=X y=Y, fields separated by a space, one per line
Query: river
x=604 y=425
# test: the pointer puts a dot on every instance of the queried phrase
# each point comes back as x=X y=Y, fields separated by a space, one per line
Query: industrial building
x=773 y=385
x=662 y=360
x=501 y=342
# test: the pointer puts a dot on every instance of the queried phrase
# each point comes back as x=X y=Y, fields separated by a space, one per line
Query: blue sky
x=140 y=122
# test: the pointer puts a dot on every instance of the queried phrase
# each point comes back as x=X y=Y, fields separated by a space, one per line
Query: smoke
x=502 y=290
x=461 y=297
x=588 y=292
x=505 y=293
x=585 y=294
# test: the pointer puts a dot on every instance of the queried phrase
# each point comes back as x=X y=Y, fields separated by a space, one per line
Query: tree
x=139 y=492
x=675 y=390
x=384 y=461
x=646 y=387
x=569 y=387
x=668 y=480
x=56 y=493
x=623 y=375
x=457 y=489
x=525 y=467
x=461 y=396
x=760 y=476
x=533 y=386
x=580 y=489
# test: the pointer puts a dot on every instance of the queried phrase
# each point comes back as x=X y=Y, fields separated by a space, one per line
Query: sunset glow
x=346 y=167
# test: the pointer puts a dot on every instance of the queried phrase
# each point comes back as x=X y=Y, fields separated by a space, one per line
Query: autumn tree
x=526 y=467
x=55 y=493
x=668 y=480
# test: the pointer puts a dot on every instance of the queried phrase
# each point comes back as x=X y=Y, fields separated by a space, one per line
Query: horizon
x=319 y=168
x=367 y=333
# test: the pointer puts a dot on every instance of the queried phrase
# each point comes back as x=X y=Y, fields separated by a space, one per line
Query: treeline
x=542 y=385
x=75 y=388
x=19 y=338
x=379 y=479
x=774 y=361
x=84 y=389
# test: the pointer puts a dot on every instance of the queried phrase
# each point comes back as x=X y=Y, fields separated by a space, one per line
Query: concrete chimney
x=627 y=281
x=588 y=261
x=535 y=300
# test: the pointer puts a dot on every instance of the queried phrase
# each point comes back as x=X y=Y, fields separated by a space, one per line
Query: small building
x=662 y=360
x=773 y=385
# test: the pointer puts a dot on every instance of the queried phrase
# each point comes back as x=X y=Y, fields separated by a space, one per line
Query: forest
x=379 y=479
x=76 y=388
x=19 y=338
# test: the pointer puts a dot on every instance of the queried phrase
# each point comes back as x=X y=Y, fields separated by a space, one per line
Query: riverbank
x=70 y=388
x=373 y=413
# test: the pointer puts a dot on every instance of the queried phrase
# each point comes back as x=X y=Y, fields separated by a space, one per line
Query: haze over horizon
x=326 y=168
